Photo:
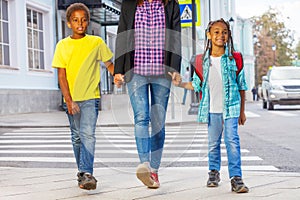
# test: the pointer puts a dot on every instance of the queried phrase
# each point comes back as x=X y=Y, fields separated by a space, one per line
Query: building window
x=4 y=33
x=35 y=37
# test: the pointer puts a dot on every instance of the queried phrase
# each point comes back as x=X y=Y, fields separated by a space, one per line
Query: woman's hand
x=118 y=80
x=176 y=78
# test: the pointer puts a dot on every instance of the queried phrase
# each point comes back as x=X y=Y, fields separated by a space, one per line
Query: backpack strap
x=239 y=61
x=199 y=66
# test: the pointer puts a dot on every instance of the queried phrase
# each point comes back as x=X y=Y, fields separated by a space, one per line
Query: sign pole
x=194 y=104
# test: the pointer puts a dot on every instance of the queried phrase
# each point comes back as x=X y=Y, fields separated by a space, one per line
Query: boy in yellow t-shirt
x=77 y=60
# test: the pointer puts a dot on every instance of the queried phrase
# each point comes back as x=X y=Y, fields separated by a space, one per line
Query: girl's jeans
x=156 y=89
x=216 y=125
x=83 y=127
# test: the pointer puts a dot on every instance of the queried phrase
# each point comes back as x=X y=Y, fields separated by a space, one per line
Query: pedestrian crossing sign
x=186 y=13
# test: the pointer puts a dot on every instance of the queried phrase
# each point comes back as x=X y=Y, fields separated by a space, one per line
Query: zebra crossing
x=185 y=146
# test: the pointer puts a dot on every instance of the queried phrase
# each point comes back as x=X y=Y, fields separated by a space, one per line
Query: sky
x=290 y=10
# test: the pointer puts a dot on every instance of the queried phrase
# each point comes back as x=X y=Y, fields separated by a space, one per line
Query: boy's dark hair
x=208 y=44
x=77 y=6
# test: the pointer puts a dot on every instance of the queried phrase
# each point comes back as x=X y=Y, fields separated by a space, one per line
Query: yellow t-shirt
x=80 y=58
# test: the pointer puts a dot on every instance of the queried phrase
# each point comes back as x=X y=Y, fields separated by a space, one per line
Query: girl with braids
x=148 y=46
x=223 y=102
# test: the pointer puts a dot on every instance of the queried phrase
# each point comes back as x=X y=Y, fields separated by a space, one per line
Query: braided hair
x=208 y=43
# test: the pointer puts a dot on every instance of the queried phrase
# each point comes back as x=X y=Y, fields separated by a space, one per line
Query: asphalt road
x=274 y=135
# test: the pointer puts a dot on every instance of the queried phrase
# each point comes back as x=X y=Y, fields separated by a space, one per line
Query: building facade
x=31 y=29
x=27 y=81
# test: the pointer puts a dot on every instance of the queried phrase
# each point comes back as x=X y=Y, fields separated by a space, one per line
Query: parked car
x=281 y=86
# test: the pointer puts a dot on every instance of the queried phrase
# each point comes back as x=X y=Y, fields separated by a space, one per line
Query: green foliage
x=270 y=30
x=298 y=50
x=269 y=25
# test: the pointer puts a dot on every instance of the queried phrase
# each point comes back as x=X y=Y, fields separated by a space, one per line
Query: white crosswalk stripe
x=185 y=145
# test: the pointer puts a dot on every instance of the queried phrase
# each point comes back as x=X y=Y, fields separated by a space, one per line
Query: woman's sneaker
x=238 y=186
x=144 y=174
x=213 y=179
x=154 y=177
x=86 y=181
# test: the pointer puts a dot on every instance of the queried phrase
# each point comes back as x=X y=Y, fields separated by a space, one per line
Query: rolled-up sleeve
x=196 y=83
x=242 y=85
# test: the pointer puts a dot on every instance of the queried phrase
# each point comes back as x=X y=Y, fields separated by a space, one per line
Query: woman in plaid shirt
x=148 y=47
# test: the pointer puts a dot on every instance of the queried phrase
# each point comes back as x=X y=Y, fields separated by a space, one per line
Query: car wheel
x=264 y=104
x=270 y=106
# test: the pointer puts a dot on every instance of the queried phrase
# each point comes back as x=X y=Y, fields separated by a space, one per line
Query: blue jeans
x=83 y=127
x=156 y=89
x=216 y=125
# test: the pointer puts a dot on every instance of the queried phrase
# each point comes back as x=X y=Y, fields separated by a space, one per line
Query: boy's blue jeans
x=156 y=89
x=83 y=127
x=216 y=125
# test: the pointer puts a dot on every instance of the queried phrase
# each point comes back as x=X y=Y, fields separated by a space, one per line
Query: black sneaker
x=86 y=181
x=213 y=179
x=238 y=186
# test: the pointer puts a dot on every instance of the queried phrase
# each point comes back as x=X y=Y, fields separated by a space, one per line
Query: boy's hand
x=176 y=78
x=118 y=80
x=73 y=108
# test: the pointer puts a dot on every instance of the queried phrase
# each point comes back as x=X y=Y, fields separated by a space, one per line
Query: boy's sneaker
x=144 y=174
x=213 y=179
x=238 y=186
x=86 y=181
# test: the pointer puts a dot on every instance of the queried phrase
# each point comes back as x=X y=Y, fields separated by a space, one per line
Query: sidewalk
x=121 y=184
x=177 y=183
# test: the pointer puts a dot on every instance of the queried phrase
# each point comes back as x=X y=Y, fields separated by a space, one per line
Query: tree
x=270 y=32
x=298 y=50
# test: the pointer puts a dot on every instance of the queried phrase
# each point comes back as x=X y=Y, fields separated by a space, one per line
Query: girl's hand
x=176 y=78
x=242 y=118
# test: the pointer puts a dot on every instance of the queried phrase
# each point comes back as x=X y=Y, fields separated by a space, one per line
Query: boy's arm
x=73 y=108
x=110 y=67
x=242 y=118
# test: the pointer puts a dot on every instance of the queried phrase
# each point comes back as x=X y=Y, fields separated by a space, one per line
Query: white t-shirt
x=215 y=86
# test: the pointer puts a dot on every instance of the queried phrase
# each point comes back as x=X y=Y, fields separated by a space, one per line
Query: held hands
x=118 y=80
x=176 y=78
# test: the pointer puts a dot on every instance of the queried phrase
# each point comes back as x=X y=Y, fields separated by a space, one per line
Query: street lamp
x=274 y=50
x=231 y=22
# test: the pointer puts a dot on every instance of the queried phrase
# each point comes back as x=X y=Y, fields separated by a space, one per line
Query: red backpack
x=199 y=68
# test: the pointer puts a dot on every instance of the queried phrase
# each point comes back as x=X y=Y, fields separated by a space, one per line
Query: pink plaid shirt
x=149 y=39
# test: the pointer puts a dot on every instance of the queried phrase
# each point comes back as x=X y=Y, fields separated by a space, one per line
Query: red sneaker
x=154 y=177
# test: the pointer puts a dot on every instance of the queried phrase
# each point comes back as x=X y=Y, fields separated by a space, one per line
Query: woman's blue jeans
x=149 y=97
x=83 y=127
x=216 y=125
